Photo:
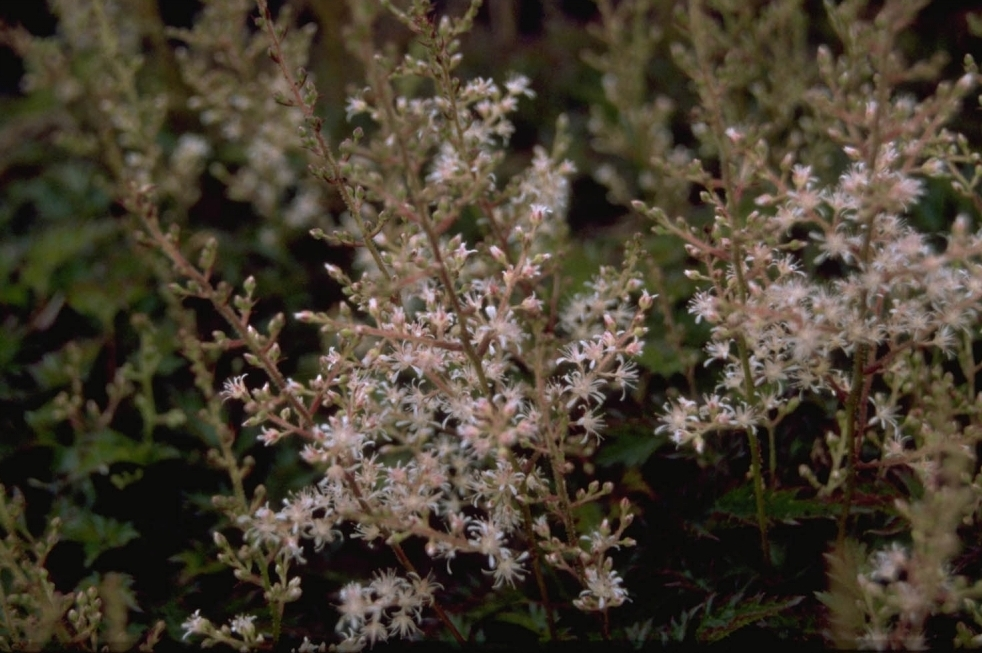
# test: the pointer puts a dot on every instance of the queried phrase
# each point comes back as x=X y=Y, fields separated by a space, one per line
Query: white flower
x=591 y=422
x=582 y=386
x=518 y=85
x=235 y=388
x=603 y=589
x=243 y=625
x=487 y=538
x=354 y=606
x=509 y=569
x=885 y=414
x=403 y=624
x=196 y=625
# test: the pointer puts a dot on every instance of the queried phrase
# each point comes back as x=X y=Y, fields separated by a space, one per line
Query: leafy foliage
x=481 y=182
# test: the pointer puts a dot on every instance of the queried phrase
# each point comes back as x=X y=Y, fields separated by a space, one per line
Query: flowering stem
x=322 y=149
x=423 y=216
x=711 y=88
x=140 y=203
x=756 y=460
x=557 y=463
x=147 y=211
x=275 y=608
x=437 y=608
x=540 y=580
x=856 y=399
x=204 y=379
x=852 y=404
x=860 y=388
x=772 y=455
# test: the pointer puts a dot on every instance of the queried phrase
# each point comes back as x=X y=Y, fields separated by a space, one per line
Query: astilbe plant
x=34 y=615
x=817 y=288
x=454 y=411
x=462 y=382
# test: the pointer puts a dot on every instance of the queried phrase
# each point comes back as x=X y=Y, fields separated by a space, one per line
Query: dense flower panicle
x=862 y=316
x=460 y=396
x=443 y=396
x=901 y=292
x=795 y=327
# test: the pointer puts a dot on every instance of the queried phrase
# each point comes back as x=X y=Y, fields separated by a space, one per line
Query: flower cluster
x=389 y=605
x=461 y=379
x=821 y=290
x=236 y=102
x=455 y=400
x=240 y=632
x=779 y=329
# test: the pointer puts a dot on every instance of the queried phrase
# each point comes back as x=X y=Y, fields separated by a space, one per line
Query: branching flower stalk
x=259 y=348
x=304 y=97
x=727 y=210
x=769 y=320
x=452 y=409
x=449 y=380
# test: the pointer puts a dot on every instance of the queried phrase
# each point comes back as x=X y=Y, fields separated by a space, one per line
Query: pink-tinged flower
x=510 y=570
x=403 y=624
x=354 y=606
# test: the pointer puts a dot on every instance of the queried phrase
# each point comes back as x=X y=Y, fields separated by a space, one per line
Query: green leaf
x=588 y=517
x=58 y=246
x=660 y=358
x=782 y=505
x=54 y=368
x=96 y=533
x=738 y=613
x=628 y=447
x=196 y=562
x=99 y=450
x=534 y=620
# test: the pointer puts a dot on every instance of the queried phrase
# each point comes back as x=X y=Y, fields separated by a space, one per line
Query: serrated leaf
x=96 y=533
x=197 y=561
x=628 y=447
x=107 y=447
x=738 y=613
x=533 y=622
x=782 y=505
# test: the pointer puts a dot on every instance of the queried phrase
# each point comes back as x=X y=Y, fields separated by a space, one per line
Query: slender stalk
x=147 y=212
x=437 y=608
x=540 y=580
x=772 y=455
x=710 y=89
x=557 y=463
x=852 y=403
x=275 y=611
x=856 y=402
x=756 y=460
x=322 y=149
x=422 y=210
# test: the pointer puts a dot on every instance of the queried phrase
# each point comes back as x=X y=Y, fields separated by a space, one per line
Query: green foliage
x=720 y=621
x=34 y=615
x=167 y=319
x=785 y=506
